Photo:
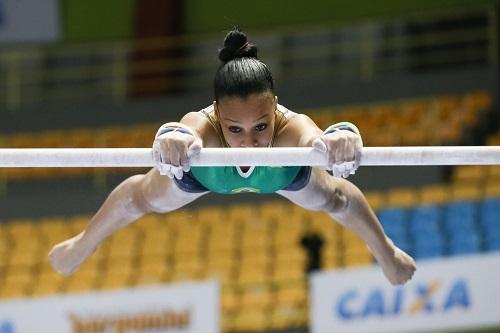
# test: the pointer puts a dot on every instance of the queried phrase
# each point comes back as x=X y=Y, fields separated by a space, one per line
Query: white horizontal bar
x=142 y=157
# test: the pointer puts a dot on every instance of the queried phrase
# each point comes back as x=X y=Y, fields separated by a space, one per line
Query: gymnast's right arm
x=137 y=195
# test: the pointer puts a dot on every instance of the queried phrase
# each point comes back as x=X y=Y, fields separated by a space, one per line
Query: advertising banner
x=188 y=307
x=29 y=21
x=455 y=293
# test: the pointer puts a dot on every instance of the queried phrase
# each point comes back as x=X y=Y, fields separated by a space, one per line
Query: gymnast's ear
x=275 y=100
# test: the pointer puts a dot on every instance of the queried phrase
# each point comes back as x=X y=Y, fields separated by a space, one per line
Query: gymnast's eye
x=260 y=127
x=234 y=129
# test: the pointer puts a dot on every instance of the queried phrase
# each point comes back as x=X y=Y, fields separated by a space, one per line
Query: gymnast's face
x=247 y=121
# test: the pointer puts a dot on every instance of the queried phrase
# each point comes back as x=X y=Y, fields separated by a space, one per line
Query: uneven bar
x=142 y=157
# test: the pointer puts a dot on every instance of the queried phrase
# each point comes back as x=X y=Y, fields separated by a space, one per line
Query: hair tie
x=242 y=47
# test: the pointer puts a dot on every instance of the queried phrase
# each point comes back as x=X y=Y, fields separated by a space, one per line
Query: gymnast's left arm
x=341 y=142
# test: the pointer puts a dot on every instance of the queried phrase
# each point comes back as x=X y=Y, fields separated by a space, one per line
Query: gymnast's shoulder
x=295 y=129
x=201 y=124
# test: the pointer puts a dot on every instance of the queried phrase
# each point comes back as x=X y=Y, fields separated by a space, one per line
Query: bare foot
x=399 y=267
x=67 y=256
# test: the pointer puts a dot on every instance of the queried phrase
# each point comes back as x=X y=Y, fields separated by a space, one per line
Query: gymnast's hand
x=172 y=150
x=343 y=144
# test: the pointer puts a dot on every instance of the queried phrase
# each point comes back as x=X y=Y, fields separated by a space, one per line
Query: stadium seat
x=254 y=320
x=48 y=282
x=460 y=225
x=17 y=282
x=489 y=212
x=395 y=223
x=401 y=197
x=118 y=274
x=153 y=270
x=425 y=227
x=434 y=195
x=291 y=306
x=256 y=296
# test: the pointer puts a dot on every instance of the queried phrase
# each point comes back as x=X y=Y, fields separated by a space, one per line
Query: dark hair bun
x=236 y=46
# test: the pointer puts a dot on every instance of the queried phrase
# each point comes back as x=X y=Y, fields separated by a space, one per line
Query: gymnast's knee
x=139 y=195
x=336 y=201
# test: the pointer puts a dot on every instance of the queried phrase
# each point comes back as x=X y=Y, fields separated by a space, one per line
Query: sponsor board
x=188 y=307
x=444 y=294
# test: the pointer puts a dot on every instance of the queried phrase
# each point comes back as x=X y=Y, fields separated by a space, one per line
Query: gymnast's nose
x=249 y=141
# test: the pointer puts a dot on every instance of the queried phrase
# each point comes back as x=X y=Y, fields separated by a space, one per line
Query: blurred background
x=109 y=73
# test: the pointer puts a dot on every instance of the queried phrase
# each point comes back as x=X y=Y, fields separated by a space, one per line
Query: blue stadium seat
x=489 y=211
x=395 y=223
x=461 y=228
x=465 y=245
x=427 y=251
x=425 y=219
x=461 y=217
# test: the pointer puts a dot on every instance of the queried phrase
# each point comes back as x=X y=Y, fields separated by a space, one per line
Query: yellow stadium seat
x=466 y=192
x=256 y=296
x=240 y=214
x=255 y=320
x=434 y=195
x=78 y=223
x=292 y=253
x=149 y=223
x=402 y=197
x=48 y=282
x=82 y=281
x=153 y=270
x=156 y=242
x=272 y=211
x=494 y=173
x=289 y=316
x=189 y=238
x=211 y=215
x=358 y=257
x=17 y=282
x=376 y=200
x=289 y=270
x=54 y=230
x=492 y=190
x=192 y=269
x=27 y=256
x=331 y=255
x=230 y=297
x=292 y=293
x=257 y=272
x=223 y=274
x=288 y=232
x=222 y=239
x=119 y=274
x=25 y=243
x=255 y=254
x=473 y=174
x=478 y=100
x=124 y=243
x=256 y=234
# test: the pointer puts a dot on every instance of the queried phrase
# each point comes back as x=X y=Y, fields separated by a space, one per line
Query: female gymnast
x=245 y=113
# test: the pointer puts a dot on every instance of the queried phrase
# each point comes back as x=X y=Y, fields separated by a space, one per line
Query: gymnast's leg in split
x=345 y=203
x=133 y=198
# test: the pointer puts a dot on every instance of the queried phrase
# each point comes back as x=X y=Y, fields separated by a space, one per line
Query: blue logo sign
x=6 y=327
x=353 y=305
